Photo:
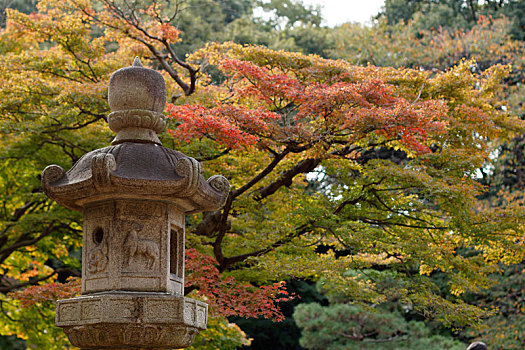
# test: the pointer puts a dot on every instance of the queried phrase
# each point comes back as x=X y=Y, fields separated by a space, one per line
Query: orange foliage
x=227 y=296
x=322 y=110
x=33 y=295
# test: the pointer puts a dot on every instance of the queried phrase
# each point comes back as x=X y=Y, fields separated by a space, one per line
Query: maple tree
x=302 y=140
x=488 y=41
x=431 y=38
x=52 y=108
x=318 y=124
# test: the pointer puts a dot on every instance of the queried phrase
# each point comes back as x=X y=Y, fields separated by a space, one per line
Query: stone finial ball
x=137 y=87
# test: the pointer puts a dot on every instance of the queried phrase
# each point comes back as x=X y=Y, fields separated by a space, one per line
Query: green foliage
x=202 y=21
x=506 y=329
x=220 y=334
x=25 y=6
x=454 y=14
x=504 y=332
x=290 y=13
x=56 y=65
x=437 y=35
x=11 y=343
x=285 y=24
x=34 y=324
x=379 y=210
x=406 y=45
x=281 y=335
x=397 y=11
x=346 y=326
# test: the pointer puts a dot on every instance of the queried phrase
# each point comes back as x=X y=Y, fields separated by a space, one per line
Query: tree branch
x=33 y=281
x=227 y=262
x=26 y=240
x=304 y=166
x=217 y=248
x=277 y=158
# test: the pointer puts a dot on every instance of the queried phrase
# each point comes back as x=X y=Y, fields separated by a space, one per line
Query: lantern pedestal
x=131 y=320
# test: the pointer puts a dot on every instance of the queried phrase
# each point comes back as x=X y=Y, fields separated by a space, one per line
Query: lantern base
x=131 y=320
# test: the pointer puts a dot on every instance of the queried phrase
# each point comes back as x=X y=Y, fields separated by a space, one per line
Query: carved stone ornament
x=131 y=320
x=101 y=167
x=134 y=196
x=98 y=260
x=191 y=171
x=219 y=183
x=140 y=247
x=52 y=174
x=137 y=118
x=131 y=169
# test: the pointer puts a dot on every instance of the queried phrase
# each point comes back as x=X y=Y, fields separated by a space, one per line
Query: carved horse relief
x=136 y=248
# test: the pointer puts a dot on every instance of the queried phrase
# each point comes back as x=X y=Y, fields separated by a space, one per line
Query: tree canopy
x=379 y=165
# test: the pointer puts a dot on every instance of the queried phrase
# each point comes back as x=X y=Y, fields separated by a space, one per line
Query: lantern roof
x=136 y=165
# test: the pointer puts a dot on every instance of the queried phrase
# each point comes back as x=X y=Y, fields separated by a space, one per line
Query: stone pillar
x=134 y=195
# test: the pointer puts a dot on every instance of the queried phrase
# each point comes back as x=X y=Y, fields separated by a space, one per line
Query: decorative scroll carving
x=101 y=166
x=137 y=118
x=219 y=183
x=51 y=174
x=140 y=247
x=191 y=170
x=81 y=336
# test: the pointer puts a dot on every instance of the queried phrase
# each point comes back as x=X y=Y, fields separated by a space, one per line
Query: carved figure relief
x=97 y=261
x=98 y=256
x=140 y=248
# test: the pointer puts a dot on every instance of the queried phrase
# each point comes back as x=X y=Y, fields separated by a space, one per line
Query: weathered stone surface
x=136 y=125
x=131 y=307
x=131 y=320
x=134 y=195
x=137 y=87
x=136 y=165
x=136 y=337
x=136 y=170
x=137 y=96
x=134 y=246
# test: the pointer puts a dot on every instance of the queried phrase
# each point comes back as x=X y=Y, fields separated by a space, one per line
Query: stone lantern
x=134 y=195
